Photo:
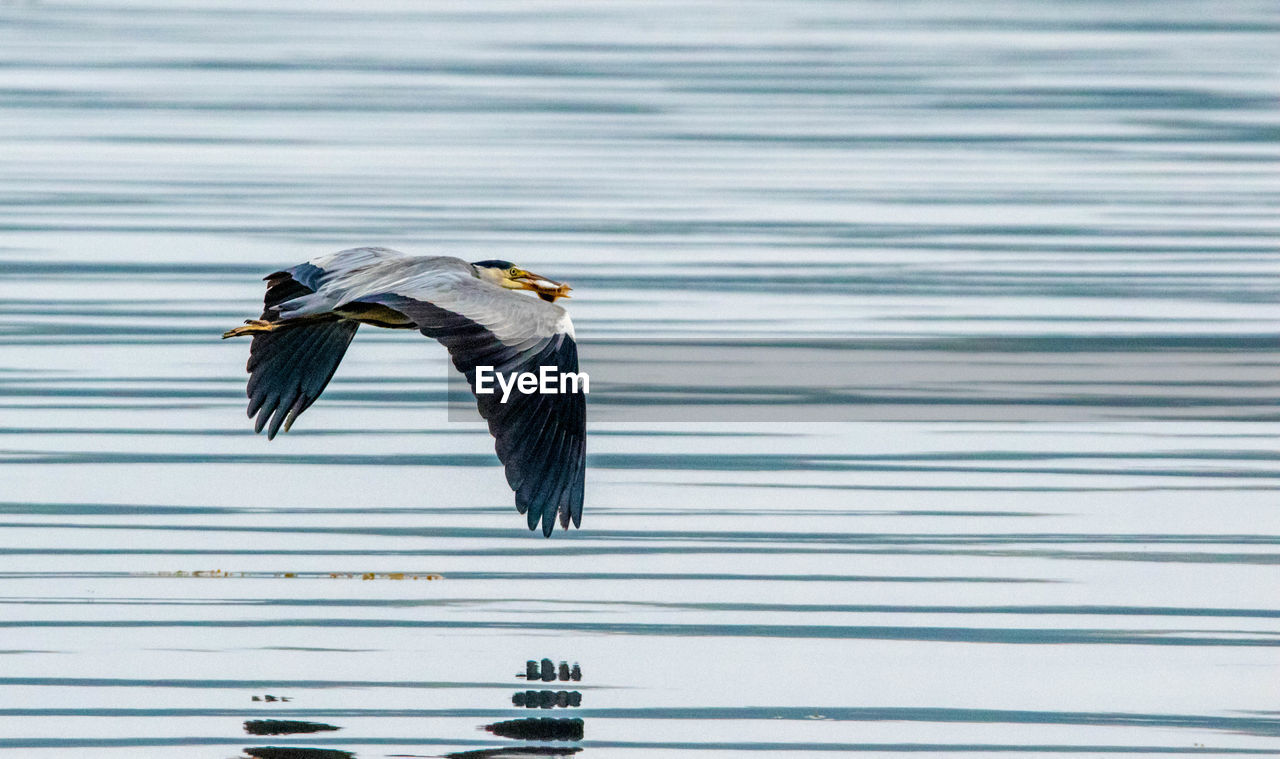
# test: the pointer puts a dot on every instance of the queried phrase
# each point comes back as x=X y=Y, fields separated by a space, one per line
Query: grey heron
x=312 y=312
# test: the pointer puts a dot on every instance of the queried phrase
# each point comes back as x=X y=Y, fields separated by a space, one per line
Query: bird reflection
x=529 y=729
x=288 y=752
x=547 y=671
x=515 y=752
x=538 y=729
x=542 y=729
x=285 y=727
x=546 y=699
x=289 y=727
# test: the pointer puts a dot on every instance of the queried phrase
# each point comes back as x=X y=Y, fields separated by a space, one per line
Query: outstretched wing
x=539 y=437
x=290 y=366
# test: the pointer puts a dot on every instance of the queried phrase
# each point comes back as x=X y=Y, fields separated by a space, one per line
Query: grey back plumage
x=371 y=275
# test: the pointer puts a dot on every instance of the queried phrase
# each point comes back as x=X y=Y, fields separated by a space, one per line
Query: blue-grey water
x=1061 y=173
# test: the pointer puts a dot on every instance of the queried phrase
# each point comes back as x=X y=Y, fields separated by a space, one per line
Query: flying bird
x=312 y=312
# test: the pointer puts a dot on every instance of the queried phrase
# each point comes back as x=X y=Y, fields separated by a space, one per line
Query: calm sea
x=899 y=174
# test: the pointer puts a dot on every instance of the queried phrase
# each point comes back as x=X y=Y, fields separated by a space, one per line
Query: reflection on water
x=544 y=728
x=286 y=752
x=547 y=671
x=538 y=729
x=529 y=730
x=1091 y=183
x=284 y=727
x=546 y=699
x=514 y=753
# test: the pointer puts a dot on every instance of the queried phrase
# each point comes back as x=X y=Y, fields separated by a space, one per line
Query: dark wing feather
x=540 y=438
x=289 y=367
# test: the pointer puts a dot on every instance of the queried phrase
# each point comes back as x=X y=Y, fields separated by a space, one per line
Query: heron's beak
x=547 y=289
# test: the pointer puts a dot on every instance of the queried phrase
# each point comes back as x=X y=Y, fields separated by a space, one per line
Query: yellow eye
x=514 y=272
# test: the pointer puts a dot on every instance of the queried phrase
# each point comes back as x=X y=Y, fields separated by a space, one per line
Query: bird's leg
x=251 y=327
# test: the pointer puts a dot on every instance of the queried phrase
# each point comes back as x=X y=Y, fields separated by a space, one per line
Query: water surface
x=908 y=175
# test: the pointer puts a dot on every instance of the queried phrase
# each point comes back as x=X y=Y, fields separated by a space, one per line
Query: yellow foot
x=251 y=327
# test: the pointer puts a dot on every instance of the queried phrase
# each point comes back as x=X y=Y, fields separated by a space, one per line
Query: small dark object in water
x=284 y=727
x=538 y=729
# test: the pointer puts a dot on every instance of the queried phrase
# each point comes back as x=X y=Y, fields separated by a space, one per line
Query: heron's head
x=512 y=277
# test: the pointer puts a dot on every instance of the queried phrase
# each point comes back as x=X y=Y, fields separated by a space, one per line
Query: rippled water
x=1062 y=173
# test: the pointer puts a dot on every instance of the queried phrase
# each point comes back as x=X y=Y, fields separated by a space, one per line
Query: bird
x=477 y=311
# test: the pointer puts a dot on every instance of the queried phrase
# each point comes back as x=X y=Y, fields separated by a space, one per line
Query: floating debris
x=218 y=573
